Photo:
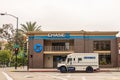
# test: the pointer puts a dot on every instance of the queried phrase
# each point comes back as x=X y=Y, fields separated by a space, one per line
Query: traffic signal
x=25 y=47
x=16 y=50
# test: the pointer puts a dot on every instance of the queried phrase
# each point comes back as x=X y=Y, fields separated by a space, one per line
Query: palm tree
x=29 y=26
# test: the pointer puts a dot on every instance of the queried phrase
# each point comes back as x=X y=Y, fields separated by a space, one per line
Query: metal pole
x=28 y=62
x=15 y=61
x=16 y=42
x=23 y=60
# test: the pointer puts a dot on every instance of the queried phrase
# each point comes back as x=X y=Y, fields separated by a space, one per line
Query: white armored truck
x=79 y=61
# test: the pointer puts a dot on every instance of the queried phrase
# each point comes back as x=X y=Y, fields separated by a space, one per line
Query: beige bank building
x=47 y=48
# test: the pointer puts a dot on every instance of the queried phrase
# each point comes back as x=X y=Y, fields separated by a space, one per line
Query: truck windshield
x=63 y=59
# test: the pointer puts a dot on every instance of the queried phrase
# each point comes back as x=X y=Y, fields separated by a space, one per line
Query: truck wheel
x=89 y=69
x=63 y=69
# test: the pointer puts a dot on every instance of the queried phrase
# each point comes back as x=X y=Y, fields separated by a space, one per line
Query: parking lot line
x=6 y=75
x=59 y=77
x=53 y=76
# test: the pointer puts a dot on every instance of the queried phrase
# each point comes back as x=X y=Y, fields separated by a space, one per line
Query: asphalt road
x=64 y=76
x=8 y=74
x=2 y=74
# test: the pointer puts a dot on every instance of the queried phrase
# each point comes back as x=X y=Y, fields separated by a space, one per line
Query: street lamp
x=16 y=43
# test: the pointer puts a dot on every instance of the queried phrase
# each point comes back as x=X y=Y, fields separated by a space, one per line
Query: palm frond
x=29 y=26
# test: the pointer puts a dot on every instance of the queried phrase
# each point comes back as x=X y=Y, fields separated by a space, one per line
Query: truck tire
x=63 y=69
x=89 y=69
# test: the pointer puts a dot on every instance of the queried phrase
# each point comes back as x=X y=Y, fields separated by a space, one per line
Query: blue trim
x=89 y=57
x=100 y=37
x=72 y=37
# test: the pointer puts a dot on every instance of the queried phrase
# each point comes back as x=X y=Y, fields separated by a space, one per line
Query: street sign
x=16 y=46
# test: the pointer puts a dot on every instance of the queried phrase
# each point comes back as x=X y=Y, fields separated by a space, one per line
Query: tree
x=29 y=26
x=0 y=45
x=5 y=57
x=7 y=32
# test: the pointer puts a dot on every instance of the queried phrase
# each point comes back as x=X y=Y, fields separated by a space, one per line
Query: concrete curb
x=59 y=71
x=36 y=70
x=42 y=71
x=55 y=70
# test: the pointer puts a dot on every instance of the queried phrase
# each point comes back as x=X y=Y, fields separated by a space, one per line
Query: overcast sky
x=90 y=15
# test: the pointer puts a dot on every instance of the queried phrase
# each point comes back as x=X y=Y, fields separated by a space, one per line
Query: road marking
x=56 y=77
x=6 y=75
x=83 y=78
x=59 y=78
x=28 y=76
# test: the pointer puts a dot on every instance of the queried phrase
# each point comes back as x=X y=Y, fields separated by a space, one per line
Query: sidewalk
x=110 y=69
x=19 y=69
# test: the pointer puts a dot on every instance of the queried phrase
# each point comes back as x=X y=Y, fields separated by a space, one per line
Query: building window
x=67 y=45
x=58 y=46
x=104 y=59
x=79 y=59
x=101 y=45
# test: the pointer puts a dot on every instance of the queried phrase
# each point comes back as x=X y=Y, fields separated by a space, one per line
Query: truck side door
x=69 y=61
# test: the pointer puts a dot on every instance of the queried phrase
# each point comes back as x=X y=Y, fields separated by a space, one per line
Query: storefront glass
x=104 y=59
x=102 y=45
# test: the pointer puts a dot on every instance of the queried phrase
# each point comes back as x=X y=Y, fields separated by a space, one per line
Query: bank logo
x=38 y=48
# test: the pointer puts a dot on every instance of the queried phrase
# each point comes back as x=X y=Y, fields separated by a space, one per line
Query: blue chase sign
x=68 y=36
x=58 y=35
